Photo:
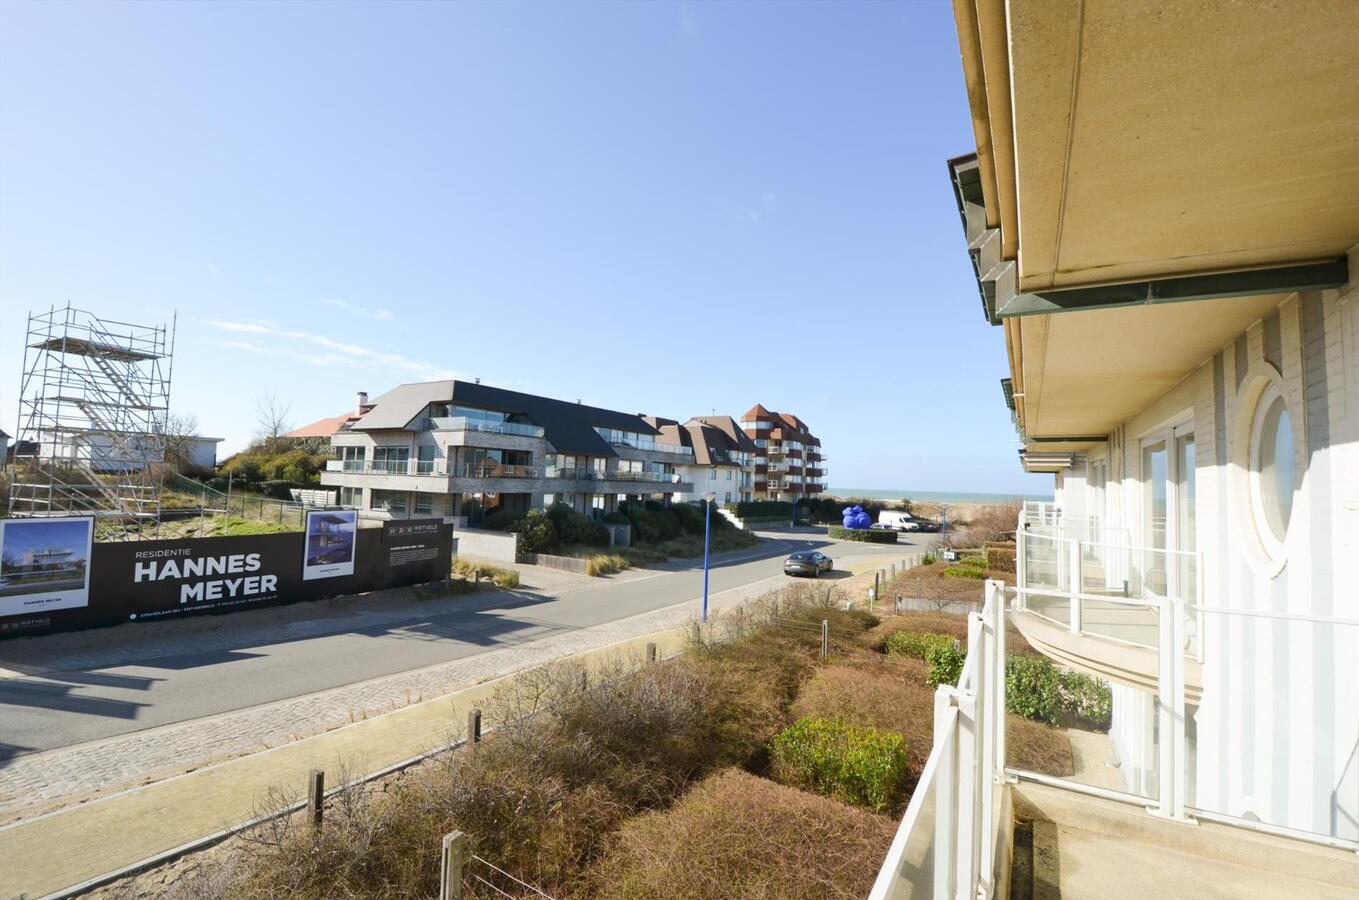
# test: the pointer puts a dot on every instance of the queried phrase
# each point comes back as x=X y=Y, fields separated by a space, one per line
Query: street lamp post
x=710 y=496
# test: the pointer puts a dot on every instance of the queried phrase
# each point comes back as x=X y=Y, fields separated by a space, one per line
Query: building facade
x=724 y=458
x=789 y=464
x=1180 y=305
x=465 y=450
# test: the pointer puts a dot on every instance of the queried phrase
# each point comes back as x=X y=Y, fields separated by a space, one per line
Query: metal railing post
x=1074 y=585
x=945 y=795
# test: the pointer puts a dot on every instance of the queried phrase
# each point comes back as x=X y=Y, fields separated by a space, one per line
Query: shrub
x=617 y=518
x=775 y=842
x=477 y=571
x=1032 y=687
x=853 y=764
x=500 y=519
x=1085 y=700
x=690 y=517
x=928 y=559
x=916 y=644
x=1000 y=557
x=536 y=533
x=762 y=509
x=946 y=664
x=575 y=529
x=867 y=535
x=605 y=564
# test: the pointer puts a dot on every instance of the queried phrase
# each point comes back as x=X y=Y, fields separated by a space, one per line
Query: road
x=103 y=692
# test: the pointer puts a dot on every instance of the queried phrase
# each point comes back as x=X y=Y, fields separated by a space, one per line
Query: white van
x=901 y=521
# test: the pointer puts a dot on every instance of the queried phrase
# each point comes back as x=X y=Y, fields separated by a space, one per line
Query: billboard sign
x=329 y=548
x=44 y=564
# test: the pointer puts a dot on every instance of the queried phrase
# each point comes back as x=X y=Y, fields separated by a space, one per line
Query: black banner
x=140 y=581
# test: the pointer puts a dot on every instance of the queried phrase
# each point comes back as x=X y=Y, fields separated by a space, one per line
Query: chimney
x=360 y=402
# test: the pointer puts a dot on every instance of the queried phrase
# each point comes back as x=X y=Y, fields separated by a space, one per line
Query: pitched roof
x=568 y=427
x=322 y=427
x=756 y=412
x=738 y=439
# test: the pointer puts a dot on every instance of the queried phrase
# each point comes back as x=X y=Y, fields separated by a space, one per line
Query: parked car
x=881 y=526
x=925 y=525
x=808 y=562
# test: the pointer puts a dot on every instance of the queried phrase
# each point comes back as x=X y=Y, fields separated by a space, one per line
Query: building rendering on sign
x=1174 y=262
x=464 y=450
x=788 y=461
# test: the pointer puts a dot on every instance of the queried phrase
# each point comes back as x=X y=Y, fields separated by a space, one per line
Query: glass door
x=1155 y=471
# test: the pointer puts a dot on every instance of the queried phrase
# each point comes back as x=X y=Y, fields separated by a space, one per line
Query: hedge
x=856 y=765
x=916 y=644
x=867 y=535
x=1000 y=557
x=762 y=509
x=1036 y=689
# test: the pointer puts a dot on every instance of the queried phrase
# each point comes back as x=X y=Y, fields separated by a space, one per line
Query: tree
x=272 y=417
x=180 y=428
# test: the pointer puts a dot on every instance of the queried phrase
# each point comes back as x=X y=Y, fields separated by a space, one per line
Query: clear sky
x=660 y=208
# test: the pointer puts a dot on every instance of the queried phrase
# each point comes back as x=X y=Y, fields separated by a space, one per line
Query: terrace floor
x=1075 y=847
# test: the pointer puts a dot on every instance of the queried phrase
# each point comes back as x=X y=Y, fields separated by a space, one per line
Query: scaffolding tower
x=93 y=402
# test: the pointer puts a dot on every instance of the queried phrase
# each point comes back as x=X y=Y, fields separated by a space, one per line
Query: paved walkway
x=36 y=854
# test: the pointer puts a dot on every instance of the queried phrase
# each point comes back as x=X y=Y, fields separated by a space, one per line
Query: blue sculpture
x=855 y=517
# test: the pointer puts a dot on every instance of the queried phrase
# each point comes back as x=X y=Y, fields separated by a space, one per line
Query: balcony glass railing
x=488 y=469
x=462 y=423
x=388 y=466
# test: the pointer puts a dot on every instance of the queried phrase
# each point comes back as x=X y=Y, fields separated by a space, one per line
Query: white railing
x=946 y=844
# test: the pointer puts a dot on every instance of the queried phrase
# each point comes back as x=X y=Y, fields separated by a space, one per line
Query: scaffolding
x=93 y=402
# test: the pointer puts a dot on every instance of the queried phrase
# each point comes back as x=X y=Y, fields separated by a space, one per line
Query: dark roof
x=570 y=427
x=736 y=435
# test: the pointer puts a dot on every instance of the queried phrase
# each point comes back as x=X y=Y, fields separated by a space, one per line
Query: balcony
x=388 y=467
x=499 y=470
x=462 y=423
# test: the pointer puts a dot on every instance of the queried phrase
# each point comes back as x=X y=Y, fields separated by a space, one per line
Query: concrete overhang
x=1086 y=373
x=1134 y=142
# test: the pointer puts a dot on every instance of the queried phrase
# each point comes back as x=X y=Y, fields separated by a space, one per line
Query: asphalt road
x=209 y=673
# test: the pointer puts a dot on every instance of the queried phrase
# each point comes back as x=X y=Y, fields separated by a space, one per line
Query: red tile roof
x=322 y=427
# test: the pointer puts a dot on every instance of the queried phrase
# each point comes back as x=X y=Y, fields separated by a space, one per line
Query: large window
x=390 y=501
x=1273 y=468
x=393 y=460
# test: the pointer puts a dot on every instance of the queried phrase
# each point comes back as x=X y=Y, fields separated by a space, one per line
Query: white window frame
x=1272 y=545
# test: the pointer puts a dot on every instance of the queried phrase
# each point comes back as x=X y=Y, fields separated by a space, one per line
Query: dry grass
x=1037 y=747
x=736 y=835
x=929 y=582
x=935 y=623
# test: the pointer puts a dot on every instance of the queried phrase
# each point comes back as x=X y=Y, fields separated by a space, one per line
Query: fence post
x=825 y=638
x=1073 y=583
x=316 y=797
x=474 y=725
x=898 y=601
x=651 y=651
x=893 y=574
x=876 y=573
x=451 y=866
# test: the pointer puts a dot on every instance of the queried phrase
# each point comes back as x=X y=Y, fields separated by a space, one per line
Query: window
x=391 y=501
x=353 y=458
x=1273 y=468
x=729 y=478
x=392 y=460
x=424 y=504
x=425 y=463
x=351 y=496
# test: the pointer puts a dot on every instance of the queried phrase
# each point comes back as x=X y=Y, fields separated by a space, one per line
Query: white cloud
x=340 y=353
x=242 y=345
x=379 y=313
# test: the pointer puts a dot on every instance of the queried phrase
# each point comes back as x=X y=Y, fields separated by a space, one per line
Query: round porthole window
x=1273 y=468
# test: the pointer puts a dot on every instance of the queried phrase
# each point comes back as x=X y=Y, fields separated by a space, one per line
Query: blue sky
x=661 y=208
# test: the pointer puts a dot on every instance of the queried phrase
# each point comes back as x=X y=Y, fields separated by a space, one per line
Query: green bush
x=928 y=559
x=866 y=535
x=617 y=518
x=1088 y=701
x=536 y=533
x=690 y=517
x=860 y=766
x=946 y=664
x=916 y=644
x=573 y=528
x=474 y=570
x=500 y=519
x=1033 y=687
x=762 y=509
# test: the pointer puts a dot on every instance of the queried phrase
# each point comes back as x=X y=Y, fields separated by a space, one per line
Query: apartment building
x=1174 y=262
x=724 y=457
x=464 y=450
x=788 y=460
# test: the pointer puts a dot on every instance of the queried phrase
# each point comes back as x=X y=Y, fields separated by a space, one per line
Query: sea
x=933 y=496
